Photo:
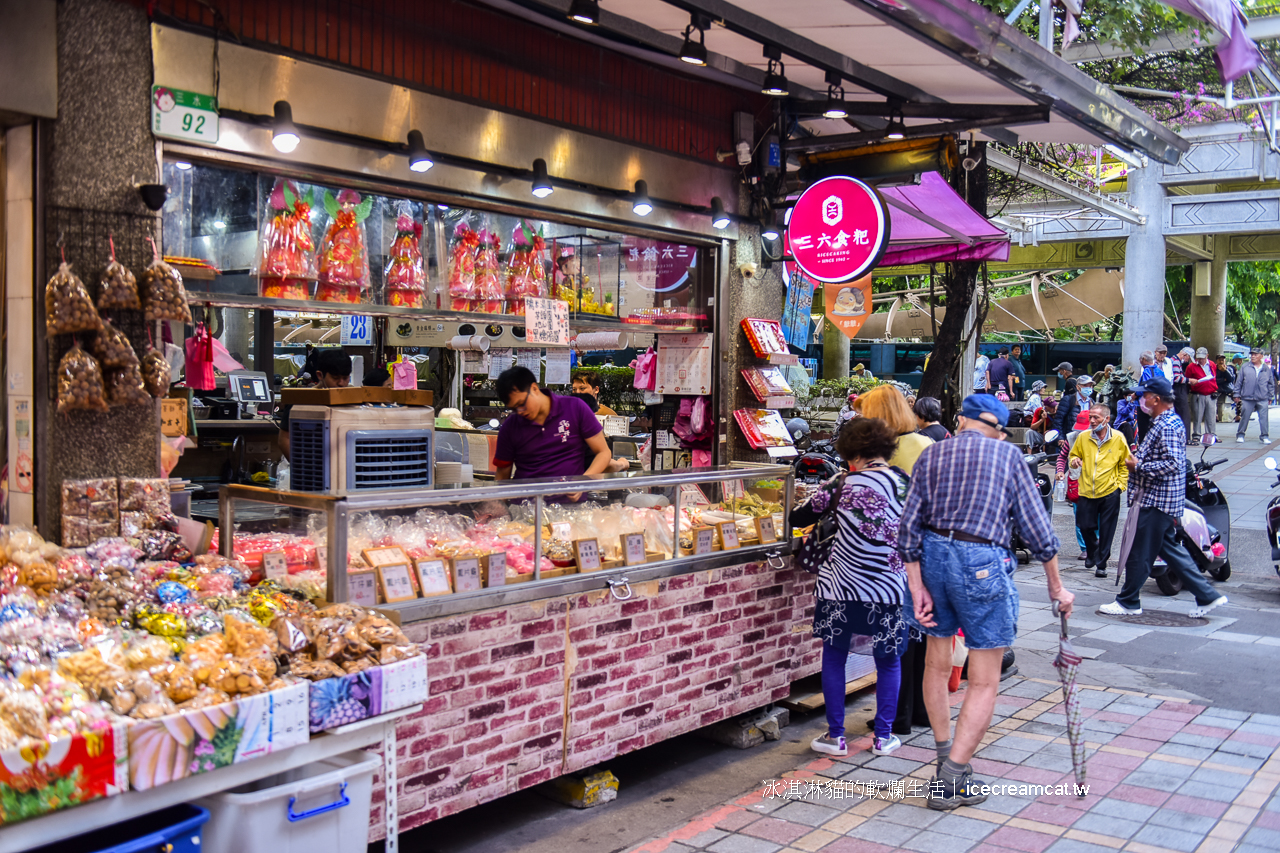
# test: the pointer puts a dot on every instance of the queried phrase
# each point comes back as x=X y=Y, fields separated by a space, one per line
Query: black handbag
x=816 y=548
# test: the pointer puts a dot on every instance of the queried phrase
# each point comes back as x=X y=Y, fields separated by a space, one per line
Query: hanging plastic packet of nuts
x=67 y=305
x=119 y=288
x=125 y=388
x=80 y=382
x=162 y=290
x=112 y=348
x=155 y=373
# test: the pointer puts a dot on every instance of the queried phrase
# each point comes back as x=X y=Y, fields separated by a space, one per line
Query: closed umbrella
x=1130 y=530
x=1067 y=663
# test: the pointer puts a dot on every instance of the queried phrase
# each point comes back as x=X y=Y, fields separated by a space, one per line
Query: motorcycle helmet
x=798 y=428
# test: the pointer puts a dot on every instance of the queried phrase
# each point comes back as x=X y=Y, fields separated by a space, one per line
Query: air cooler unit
x=360 y=449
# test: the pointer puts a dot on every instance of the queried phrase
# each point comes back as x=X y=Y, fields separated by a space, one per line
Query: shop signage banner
x=838 y=229
x=176 y=114
x=357 y=331
x=848 y=305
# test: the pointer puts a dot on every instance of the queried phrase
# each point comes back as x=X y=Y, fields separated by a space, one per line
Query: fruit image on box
x=339 y=701
x=35 y=780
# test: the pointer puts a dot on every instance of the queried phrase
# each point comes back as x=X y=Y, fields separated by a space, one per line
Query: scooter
x=1044 y=483
x=818 y=463
x=1273 y=515
x=1205 y=530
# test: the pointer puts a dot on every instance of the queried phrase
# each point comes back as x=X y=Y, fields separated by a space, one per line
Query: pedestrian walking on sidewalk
x=1226 y=381
x=860 y=590
x=1253 y=392
x=1202 y=385
x=954 y=540
x=1099 y=455
x=1159 y=483
x=1181 y=398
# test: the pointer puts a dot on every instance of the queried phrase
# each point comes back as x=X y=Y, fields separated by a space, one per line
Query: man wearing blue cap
x=1157 y=488
x=954 y=538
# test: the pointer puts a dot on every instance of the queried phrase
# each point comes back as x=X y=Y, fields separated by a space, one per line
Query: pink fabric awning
x=932 y=223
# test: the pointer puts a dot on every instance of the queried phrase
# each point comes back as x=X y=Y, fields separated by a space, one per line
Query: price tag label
x=692 y=495
x=728 y=535
x=466 y=574
x=561 y=530
x=496 y=565
x=362 y=588
x=322 y=557
x=734 y=489
x=356 y=331
x=173 y=416
x=434 y=578
x=765 y=529
x=275 y=565
x=397 y=585
x=177 y=114
x=587 y=554
x=633 y=548
x=546 y=321
x=704 y=540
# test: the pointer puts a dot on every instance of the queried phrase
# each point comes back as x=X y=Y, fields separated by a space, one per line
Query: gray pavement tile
x=1192 y=740
x=1183 y=820
x=1157 y=781
x=1164 y=836
x=866 y=774
x=1166 y=768
x=1274 y=804
x=1220 y=778
x=1228 y=714
x=1048 y=723
x=678 y=848
x=1116 y=827
x=997 y=753
x=936 y=842
x=1109 y=726
x=1259 y=729
x=907 y=815
x=1043 y=761
x=963 y=827
x=1254 y=848
x=705 y=838
x=1022 y=744
x=1028 y=690
x=1238 y=747
x=1248 y=762
x=744 y=844
x=1192 y=788
x=1071 y=845
x=1123 y=809
x=1263 y=837
x=1004 y=805
x=1097 y=698
x=1266 y=719
x=1130 y=705
x=806 y=814
x=1198 y=753
x=882 y=832
x=890 y=764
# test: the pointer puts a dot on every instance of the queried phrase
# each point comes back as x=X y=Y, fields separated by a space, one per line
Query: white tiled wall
x=19 y=315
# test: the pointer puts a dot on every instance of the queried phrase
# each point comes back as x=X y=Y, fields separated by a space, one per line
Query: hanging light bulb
x=835 y=98
x=775 y=80
x=541 y=186
x=895 y=129
x=419 y=159
x=695 y=52
x=640 y=203
x=585 y=12
x=719 y=219
x=284 y=136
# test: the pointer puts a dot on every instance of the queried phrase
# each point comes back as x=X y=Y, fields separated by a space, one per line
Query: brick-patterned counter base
x=523 y=694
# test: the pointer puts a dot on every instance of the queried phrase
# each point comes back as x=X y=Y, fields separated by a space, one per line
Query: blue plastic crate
x=178 y=826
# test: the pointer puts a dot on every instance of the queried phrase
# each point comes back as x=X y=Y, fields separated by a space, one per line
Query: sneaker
x=945 y=796
x=1100 y=572
x=1203 y=609
x=829 y=745
x=1115 y=608
x=1083 y=556
x=1265 y=440
x=886 y=745
x=1239 y=439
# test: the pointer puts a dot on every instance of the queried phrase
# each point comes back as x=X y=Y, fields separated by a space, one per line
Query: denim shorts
x=972 y=589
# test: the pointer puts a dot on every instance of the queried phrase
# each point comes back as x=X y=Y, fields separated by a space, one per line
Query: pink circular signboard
x=838 y=229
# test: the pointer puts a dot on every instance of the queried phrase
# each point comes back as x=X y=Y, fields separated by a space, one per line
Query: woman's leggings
x=888 y=680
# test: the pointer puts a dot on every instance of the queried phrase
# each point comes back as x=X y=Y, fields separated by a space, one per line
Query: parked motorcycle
x=818 y=463
x=1044 y=483
x=1205 y=530
x=1273 y=515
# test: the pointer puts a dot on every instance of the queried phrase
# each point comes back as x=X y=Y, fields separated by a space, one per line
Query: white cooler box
x=317 y=808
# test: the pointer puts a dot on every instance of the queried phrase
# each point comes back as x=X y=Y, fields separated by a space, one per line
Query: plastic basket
x=317 y=808
x=178 y=826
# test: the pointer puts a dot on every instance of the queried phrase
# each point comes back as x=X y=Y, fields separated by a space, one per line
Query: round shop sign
x=838 y=229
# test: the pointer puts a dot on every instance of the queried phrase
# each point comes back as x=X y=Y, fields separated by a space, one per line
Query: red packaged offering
x=488 y=274
x=462 y=268
x=406 y=274
x=526 y=269
x=344 y=261
x=287 y=262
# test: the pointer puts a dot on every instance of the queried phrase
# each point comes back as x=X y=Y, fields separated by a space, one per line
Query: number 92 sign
x=177 y=114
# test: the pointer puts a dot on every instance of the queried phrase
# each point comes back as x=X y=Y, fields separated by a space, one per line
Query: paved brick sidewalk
x=1163 y=775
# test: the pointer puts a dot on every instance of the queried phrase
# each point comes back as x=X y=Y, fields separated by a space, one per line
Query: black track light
x=719 y=219
x=585 y=12
x=284 y=135
x=775 y=79
x=541 y=185
x=419 y=159
x=835 y=98
x=895 y=129
x=640 y=203
x=695 y=52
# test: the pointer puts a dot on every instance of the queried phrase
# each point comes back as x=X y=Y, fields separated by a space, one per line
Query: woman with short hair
x=928 y=412
x=887 y=403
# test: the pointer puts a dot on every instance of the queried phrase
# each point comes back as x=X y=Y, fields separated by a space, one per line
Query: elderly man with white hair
x=1149 y=369
x=1181 y=403
x=1202 y=385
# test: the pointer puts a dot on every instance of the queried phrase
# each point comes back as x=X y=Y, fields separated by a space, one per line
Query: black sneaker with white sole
x=945 y=796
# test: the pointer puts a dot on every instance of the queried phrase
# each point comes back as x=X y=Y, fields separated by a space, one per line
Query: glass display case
x=452 y=549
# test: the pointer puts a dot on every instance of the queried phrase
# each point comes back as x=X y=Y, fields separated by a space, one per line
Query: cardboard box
x=64 y=773
x=378 y=690
x=192 y=742
x=353 y=396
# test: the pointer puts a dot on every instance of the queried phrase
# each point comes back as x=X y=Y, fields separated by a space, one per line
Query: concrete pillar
x=1144 y=269
x=835 y=352
x=1209 y=304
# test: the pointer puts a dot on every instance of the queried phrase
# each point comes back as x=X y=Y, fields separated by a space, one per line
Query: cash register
x=249 y=390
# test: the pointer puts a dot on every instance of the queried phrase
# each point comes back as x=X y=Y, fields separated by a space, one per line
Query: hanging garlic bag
x=67 y=306
x=118 y=289
x=165 y=297
x=80 y=382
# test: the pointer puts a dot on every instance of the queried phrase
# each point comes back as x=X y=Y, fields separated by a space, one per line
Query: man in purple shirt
x=549 y=434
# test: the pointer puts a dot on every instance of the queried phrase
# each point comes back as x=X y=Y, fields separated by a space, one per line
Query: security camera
x=153 y=195
x=748 y=270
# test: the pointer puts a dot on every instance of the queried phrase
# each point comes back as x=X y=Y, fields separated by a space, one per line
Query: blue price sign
x=357 y=331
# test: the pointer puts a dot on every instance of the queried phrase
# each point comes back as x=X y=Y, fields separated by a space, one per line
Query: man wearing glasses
x=550 y=435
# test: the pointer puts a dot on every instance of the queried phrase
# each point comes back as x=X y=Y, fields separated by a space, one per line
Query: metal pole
x=1046 y=25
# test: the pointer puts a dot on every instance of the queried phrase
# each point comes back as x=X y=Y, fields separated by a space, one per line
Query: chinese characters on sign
x=184 y=115
x=546 y=321
x=684 y=364
x=837 y=230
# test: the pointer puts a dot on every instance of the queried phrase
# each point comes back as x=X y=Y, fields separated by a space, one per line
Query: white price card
x=633 y=548
x=475 y=362
x=434 y=579
x=178 y=114
x=322 y=557
x=397 y=584
x=499 y=360
x=558 y=370
x=466 y=574
x=546 y=321
x=275 y=565
x=765 y=530
x=728 y=535
x=362 y=588
x=496 y=568
x=356 y=331
x=404 y=683
x=733 y=489
x=684 y=364
x=561 y=530
x=704 y=540
x=692 y=494
x=616 y=425
x=587 y=553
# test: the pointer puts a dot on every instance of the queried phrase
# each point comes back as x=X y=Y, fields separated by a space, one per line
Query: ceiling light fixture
x=769 y=226
x=835 y=97
x=719 y=219
x=183 y=166
x=895 y=129
x=695 y=52
x=775 y=79
x=640 y=204
x=585 y=12
x=284 y=136
x=541 y=186
x=419 y=159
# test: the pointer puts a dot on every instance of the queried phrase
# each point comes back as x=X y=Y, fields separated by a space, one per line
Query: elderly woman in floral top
x=860 y=590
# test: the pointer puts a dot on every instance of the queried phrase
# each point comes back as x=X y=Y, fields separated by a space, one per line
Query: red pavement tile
x=994 y=769
x=985 y=848
x=1161 y=714
x=1056 y=815
x=855 y=845
x=1195 y=805
x=1254 y=737
x=1107 y=773
x=1113 y=717
x=1134 y=794
x=1207 y=731
x=1116 y=759
x=1144 y=744
x=1189 y=709
x=736 y=821
x=1031 y=775
x=916 y=753
x=1021 y=839
x=1020 y=701
x=1268 y=820
x=775 y=829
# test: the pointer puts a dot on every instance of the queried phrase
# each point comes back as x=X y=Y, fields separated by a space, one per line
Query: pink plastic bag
x=646 y=371
x=404 y=375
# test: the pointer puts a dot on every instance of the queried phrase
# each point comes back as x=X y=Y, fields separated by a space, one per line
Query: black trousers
x=1096 y=518
x=1144 y=424
x=1182 y=406
x=911 y=710
x=1157 y=534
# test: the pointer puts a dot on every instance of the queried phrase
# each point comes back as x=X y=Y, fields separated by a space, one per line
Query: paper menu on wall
x=557 y=367
x=684 y=364
x=499 y=360
x=530 y=358
x=474 y=361
x=546 y=321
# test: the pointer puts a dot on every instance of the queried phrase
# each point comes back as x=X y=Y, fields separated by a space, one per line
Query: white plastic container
x=317 y=808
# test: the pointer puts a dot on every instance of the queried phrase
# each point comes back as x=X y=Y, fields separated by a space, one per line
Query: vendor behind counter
x=332 y=370
x=550 y=435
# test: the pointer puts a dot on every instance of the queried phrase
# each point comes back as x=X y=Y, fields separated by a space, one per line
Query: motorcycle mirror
x=1270 y=462
x=1208 y=439
x=1051 y=435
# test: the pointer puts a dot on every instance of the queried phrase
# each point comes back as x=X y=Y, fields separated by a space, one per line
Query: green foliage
x=1253 y=301
x=842 y=388
x=1131 y=22
x=614 y=383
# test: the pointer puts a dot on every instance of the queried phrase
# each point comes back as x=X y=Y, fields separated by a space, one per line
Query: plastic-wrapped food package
x=118 y=289
x=462 y=268
x=163 y=293
x=286 y=259
x=112 y=348
x=80 y=383
x=526 y=268
x=125 y=388
x=68 y=308
x=155 y=373
x=89 y=511
x=144 y=651
x=406 y=273
x=489 y=288
x=344 y=261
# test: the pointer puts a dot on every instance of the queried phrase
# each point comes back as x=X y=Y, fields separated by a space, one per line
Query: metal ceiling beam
x=1031 y=115
x=1259 y=29
x=1044 y=180
x=912 y=110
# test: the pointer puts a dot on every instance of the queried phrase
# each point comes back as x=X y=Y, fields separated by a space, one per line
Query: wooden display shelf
x=810 y=701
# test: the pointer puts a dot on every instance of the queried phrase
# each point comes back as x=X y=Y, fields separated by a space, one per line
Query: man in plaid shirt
x=1157 y=488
